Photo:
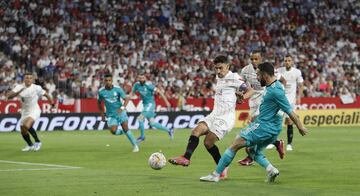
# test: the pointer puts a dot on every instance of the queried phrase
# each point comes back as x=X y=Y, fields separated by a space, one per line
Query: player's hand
x=239 y=97
x=303 y=131
x=298 y=101
x=102 y=117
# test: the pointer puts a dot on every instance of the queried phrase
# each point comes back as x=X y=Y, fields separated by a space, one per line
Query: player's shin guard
x=290 y=133
x=214 y=151
x=192 y=144
x=142 y=128
x=27 y=139
x=131 y=137
x=34 y=135
x=225 y=160
x=159 y=126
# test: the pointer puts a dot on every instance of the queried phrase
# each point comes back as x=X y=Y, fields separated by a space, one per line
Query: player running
x=29 y=94
x=221 y=120
x=146 y=91
x=115 y=111
x=264 y=130
x=293 y=92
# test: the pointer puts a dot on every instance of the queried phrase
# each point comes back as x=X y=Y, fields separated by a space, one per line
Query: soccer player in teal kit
x=264 y=130
x=115 y=111
x=146 y=91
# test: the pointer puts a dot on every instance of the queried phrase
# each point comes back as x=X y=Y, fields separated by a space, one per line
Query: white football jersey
x=293 y=78
x=225 y=88
x=29 y=97
x=249 y=75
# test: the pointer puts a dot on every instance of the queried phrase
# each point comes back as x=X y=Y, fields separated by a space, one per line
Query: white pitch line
x=36 y=169
x=40 y=164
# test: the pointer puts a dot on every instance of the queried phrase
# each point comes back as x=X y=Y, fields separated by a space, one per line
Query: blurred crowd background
x=71 y=44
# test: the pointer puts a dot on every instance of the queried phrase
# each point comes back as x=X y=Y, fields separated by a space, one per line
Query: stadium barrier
x=92 y=121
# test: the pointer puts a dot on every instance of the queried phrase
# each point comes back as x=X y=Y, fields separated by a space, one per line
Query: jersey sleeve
x=282 y=101
x=299 y=78
x=121 y=93
x=238 y=82
x=100 y=97
x=40 y=91
x=134 y=88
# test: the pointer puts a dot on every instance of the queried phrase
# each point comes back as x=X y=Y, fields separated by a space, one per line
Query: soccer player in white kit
x=249 y=75
x=222 y=119
x=293 y=92
x=29 y=94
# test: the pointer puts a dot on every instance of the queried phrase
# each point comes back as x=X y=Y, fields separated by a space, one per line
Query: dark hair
x=267 y=68
x=28 y=74
x=108 y=76
x=221 y=59
x=256 y=51
x=288 y=55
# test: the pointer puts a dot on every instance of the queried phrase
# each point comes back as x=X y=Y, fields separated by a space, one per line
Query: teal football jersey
x=112 y=99
x=273 y=100
x=146 y=92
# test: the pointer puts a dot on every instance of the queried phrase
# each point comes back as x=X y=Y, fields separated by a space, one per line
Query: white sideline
x=55 y=167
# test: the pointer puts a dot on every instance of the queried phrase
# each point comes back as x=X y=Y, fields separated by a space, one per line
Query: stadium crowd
x=71 y=44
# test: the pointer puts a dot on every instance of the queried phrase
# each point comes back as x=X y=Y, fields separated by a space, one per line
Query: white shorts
x=220 y=125
x=34 y=114
x=254 y=104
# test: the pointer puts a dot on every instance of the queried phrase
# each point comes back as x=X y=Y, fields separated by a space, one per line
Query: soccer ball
x=157 y=160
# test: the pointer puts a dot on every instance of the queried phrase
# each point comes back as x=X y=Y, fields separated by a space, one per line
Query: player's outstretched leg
x=224 y=162
x=130 y=136
x=193 y=142
x=162 y=128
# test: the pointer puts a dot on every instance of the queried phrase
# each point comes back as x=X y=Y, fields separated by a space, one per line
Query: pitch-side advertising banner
x=315 y=118
x=92 y=121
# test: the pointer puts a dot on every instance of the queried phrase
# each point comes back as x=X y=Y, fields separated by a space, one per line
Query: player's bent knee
x=208 y=144
x=238 y=144
x=200 y=129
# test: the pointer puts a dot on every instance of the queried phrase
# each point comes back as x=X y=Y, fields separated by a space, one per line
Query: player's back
x=146 y=92
x=112 y=98
x=273 y=100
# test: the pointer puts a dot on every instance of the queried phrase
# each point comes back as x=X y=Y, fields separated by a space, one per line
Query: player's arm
x=125 y=98
x=284 y=104
x=299 y=125
x=300 y=89
x=14 y=93
x=48 y=97
x=100 y=107
x=299 y=93
x=282 y=80
x=161 y=93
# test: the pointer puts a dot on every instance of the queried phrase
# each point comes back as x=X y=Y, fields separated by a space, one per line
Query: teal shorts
x=149 y=110
x=117 y=120
x=257 y=136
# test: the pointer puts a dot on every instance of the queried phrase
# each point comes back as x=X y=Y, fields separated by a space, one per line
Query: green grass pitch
x=325 y=162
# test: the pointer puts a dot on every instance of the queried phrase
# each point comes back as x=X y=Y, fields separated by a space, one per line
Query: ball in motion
x=157 y=160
